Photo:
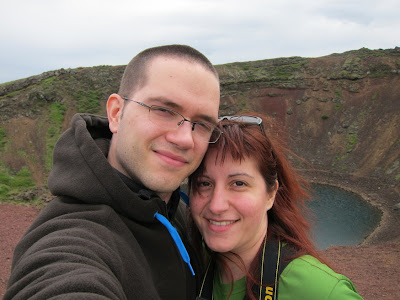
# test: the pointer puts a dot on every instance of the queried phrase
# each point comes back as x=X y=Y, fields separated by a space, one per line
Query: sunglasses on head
x=251 y=120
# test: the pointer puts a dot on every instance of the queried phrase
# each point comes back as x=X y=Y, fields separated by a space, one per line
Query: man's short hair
x=135 y=74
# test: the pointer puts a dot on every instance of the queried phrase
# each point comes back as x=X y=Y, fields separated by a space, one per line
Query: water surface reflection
x=341 y=217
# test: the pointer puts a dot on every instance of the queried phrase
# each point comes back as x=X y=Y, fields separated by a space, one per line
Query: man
x=108 y=233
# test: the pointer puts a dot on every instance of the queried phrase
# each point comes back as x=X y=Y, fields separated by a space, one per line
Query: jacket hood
x=81 y=171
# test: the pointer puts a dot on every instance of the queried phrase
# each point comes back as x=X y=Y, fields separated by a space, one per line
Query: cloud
x=45 y=35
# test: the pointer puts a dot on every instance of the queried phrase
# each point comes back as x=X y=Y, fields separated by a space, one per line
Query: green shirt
x=305 y=278
x=221 y=290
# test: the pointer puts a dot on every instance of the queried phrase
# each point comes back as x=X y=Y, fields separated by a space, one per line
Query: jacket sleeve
x=66 y=257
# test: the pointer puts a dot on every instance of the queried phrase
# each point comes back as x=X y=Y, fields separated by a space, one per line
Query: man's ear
x=115 y=105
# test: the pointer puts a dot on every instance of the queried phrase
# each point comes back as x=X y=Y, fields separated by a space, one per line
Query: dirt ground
x=374 y=270
x=15 y=220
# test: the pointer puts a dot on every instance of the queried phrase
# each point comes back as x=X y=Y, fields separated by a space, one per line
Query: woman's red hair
x=286 y=219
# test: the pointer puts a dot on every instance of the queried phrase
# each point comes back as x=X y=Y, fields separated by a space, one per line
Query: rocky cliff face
x=341 y=112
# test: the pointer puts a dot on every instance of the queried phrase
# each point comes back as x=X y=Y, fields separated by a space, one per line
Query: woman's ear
x=115 y=105
x=272 y=194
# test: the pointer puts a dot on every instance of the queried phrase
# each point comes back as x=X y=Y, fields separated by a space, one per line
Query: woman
x=248 y=205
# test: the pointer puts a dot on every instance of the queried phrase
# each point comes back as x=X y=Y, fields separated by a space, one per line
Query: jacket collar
x=146 y=194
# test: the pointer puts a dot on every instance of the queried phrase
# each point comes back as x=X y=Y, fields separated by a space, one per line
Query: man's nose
x=182 y=136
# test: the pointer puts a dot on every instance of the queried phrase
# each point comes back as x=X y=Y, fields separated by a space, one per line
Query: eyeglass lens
x=171 y=119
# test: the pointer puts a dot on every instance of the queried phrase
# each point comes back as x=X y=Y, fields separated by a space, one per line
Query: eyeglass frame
x=240 y=119
x=184 y=119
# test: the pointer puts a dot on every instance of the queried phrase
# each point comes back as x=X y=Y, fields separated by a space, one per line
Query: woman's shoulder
x=306 y=277
x=312 y=267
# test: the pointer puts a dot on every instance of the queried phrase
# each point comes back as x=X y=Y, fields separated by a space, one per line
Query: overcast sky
x=42 y=35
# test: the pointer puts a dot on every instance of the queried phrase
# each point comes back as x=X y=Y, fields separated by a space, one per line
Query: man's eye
x=203 y=125
x=159 y=110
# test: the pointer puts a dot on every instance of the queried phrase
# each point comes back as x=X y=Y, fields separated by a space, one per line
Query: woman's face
x=230 y=207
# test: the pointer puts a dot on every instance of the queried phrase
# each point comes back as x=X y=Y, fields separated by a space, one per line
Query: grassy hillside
x=341 y=112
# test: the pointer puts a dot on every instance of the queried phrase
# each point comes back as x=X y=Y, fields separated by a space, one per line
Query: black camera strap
x=271 y=266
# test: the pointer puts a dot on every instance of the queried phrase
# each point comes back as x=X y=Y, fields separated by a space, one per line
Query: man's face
x=162 y=158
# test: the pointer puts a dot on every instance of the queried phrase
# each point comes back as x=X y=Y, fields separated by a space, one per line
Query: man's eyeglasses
x=252 y=120
x=170 y=119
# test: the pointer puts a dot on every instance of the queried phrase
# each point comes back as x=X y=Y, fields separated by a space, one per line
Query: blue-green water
x=341 y=217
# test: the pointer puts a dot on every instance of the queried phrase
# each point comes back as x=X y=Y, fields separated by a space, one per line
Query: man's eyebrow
x=173 y=105
x=166 y=102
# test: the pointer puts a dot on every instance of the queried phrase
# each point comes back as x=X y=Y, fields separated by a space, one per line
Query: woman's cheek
x=194 y=204
x=197 y=205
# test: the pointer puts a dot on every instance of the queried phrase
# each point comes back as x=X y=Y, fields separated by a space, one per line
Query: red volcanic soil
x=374 y=270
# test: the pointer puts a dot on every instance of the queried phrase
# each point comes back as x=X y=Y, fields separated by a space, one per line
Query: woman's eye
x=203 y=184
x=239 y=183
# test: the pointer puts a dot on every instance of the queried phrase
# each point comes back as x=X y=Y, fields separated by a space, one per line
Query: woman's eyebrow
x=240 y=174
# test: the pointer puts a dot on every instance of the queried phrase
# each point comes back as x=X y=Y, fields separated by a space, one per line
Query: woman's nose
x=219 y=202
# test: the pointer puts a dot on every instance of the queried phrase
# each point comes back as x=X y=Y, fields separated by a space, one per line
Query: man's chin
x=164 y=190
